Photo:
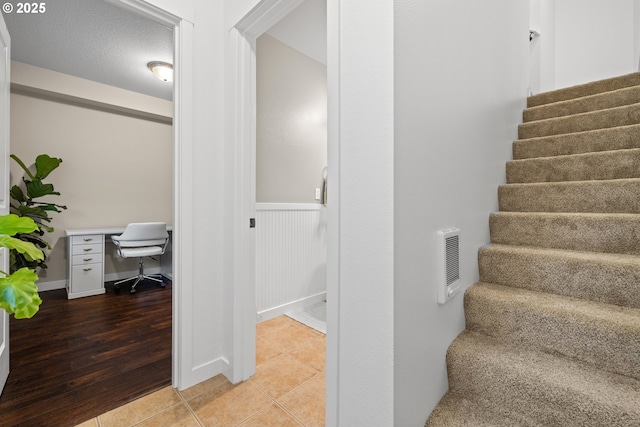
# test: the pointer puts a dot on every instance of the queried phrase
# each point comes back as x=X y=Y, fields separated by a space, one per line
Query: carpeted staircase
x=553 y=327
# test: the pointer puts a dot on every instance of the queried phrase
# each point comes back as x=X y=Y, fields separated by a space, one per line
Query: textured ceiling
x=94 y=40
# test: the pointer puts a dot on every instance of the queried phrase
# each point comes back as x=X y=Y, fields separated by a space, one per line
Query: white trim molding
x=289 y=206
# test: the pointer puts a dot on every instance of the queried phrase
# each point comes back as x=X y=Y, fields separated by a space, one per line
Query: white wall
x=305 y=29
x=360 y=359
x=594 y=40
x=542 y=55
x=461 y=77
x=291 y=124
x=208 y=287
x=291 y=257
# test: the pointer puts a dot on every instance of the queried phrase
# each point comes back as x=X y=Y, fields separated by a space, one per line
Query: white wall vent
x=448 y=264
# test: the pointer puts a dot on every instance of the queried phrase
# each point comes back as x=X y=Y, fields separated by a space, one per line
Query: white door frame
x=5 y=81
x=244 y=35
x=181 y=19
x=243 y=75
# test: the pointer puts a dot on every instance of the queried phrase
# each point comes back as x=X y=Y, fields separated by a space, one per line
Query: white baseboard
x=52 y=285
x=292 y=306
x=62 y=284
x=208 y=370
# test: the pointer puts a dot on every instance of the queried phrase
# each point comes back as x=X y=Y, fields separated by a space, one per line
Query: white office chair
x=141 y=239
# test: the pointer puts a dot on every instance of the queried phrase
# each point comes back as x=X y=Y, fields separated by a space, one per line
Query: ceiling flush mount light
x=162 y=70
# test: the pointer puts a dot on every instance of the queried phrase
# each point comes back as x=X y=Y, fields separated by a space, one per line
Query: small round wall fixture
x=162 y=70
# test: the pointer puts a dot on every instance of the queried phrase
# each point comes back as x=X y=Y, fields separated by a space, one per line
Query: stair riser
x=608 y=340
x=572 y=274
x=619 y=138
x=619 y=164
x=536 y=393
x=584 y=90
x=621 y=116
x=618 y=98
x=609 y=234
x=619 y=196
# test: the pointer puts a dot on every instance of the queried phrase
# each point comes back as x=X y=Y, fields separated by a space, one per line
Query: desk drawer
x=86 y=278
x=86 y=239
x=86 y=249
x=86 y=259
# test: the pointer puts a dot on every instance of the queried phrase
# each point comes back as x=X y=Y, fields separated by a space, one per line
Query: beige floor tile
x=90 y=423
x=289 y=356
x=281 y=375
x=312 y=353
x=141 y=409
x=290 y=337
x=176 y=416
x=306 y=402
x=265 y=351
x=271 y=416
x=200 y=388
x=228 y=405
x=271 y=325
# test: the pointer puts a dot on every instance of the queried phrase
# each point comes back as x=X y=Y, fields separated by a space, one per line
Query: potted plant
x=25 y=204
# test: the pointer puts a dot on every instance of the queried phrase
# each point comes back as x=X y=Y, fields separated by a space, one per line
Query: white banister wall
x=291 y=257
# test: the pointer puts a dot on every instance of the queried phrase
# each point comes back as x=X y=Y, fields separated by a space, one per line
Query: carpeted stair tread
x=550 y=390
x=618 y=138
x=602 y=335
x=607 y=278
x=600 y=101
x=586 y=89
x=459 y=411
x=618 y=164
x=612 y=117
x=595 y=232
x=606 y=196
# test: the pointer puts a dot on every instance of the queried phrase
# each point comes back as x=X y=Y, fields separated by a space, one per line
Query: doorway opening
x=181 y=29
x=291 y=167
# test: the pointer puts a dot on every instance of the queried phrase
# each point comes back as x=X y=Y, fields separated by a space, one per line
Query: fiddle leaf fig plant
x=25 y=205
x=18 y=290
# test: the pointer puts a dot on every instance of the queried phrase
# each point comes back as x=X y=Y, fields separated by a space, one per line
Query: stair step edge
x=588 y=232
x=604 y=336
x=585 y=89
x=590 y=103
x=592 y=120
x=550 y=389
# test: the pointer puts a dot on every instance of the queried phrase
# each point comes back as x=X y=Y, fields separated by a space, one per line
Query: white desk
x=85 y=253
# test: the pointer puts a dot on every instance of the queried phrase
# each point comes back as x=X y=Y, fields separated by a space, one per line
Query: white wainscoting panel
x=291 y=256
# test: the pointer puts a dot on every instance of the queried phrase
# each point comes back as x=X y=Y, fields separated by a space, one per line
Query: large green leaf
x=19 y=294
x=34 y=212
x=26 y=248
x=13 y=224
x=37 y=188
x=45 y=165
x=17 y=194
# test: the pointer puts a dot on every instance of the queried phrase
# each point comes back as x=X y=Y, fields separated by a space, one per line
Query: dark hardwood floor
x=76 y=359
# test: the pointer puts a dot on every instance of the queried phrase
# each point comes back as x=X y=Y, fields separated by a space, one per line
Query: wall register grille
x=448 y=264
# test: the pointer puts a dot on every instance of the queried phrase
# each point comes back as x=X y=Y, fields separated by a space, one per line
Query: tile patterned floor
x=287 y=389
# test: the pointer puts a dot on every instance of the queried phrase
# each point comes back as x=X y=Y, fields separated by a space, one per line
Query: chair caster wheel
x=163 y=285
x=132 y=291
x=116 y=288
